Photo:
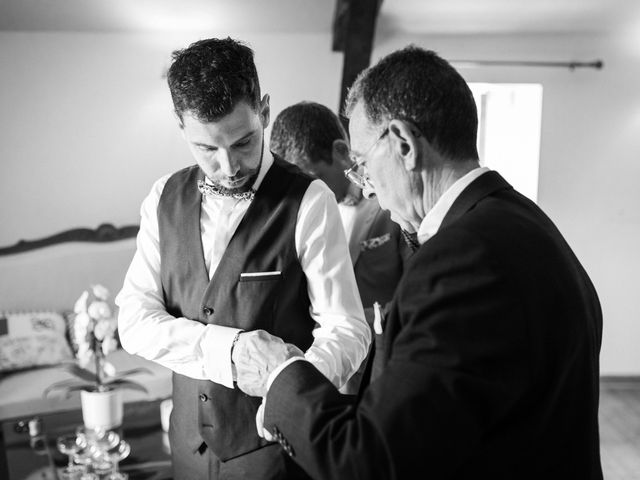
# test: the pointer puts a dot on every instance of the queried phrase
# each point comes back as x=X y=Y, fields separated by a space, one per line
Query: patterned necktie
x=217 y=191
x=411 y=239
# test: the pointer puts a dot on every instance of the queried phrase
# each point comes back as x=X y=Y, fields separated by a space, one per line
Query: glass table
x=29 y=444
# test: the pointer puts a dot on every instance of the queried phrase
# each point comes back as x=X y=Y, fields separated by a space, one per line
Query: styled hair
x=418 y=86
x=305 y=132
x=210 y=77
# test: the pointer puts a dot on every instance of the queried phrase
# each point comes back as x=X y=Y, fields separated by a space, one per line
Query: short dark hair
x=418 y=86
x=305 y=132
x=210 y=77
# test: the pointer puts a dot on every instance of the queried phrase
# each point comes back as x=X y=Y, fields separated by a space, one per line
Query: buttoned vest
x=224 y=418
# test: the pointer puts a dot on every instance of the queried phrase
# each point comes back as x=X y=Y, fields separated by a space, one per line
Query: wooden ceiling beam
x=354 y=25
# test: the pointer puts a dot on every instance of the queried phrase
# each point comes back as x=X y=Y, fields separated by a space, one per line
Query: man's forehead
x=241 y=112
x=360 y=128
x=358 y=117
x=241 y=121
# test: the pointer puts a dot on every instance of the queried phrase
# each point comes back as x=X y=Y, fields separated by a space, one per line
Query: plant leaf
x=127 y=384
x=62 y=384
x=83 y=373
x=126 y=373
x=67 y=385
x=75 y=388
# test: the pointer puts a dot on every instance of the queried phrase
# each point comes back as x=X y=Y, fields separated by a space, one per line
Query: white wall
x=589 y=159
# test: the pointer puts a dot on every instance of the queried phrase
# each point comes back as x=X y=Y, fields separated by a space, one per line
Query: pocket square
x=255 y=276
x=375 y=242
x=378 y=318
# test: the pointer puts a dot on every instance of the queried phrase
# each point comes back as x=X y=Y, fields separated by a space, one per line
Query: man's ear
x=180 y=123
x=265 y=111
x=340 y=153
x=406 y=142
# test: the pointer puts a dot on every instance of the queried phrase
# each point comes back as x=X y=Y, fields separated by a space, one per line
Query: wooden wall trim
x=106 y=232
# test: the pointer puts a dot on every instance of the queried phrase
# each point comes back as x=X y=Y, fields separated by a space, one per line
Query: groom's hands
x=255 y=355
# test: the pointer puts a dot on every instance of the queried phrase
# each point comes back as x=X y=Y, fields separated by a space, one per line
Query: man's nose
x=368 y=191
x=228 y=164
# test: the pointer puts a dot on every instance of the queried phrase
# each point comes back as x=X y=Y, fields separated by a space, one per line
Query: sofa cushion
x=32 y=339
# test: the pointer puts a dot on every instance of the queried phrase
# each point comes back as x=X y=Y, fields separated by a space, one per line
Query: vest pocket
x=255 y=302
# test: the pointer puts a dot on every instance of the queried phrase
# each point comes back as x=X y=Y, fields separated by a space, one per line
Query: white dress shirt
x=357 y=220
x=190 y=348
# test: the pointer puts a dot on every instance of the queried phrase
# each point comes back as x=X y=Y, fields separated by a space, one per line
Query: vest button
x=208 y=310
x=203 y=397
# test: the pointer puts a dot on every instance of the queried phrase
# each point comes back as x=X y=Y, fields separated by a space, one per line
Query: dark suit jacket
x=490 y=361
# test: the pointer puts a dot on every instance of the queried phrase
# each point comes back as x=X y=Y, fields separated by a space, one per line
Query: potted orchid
x=93 y=333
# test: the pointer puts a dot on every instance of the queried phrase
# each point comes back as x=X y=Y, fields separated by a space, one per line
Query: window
x=509 y=132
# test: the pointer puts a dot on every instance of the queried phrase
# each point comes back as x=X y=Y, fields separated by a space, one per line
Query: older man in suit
x=490 y=367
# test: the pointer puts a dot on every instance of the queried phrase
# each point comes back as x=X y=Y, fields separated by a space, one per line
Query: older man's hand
x=255 y=355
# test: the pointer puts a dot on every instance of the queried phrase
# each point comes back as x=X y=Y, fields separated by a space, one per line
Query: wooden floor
x=620 y=428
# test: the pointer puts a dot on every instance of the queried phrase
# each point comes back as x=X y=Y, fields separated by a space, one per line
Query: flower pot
x=102 y=409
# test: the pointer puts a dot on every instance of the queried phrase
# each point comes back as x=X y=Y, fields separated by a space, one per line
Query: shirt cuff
x=216 y=353
x=274 y=374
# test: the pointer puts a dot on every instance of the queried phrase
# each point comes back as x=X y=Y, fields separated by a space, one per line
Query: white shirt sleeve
x=342 y=337
x=185 y=346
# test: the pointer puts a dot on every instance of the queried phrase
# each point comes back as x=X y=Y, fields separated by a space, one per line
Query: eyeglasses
x=352 y=173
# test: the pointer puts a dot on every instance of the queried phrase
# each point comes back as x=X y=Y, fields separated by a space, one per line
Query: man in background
x=490 y=366
x=239 y=241
x=311 y=136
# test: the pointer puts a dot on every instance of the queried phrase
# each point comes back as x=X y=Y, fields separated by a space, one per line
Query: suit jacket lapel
x=481 y=187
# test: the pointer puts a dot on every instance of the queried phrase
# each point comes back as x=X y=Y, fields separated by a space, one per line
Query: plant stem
x=98 y=351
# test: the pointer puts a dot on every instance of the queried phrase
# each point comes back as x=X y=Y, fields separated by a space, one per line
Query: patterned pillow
x=32 y=339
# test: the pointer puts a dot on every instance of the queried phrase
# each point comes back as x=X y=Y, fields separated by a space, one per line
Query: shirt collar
x=434 y=217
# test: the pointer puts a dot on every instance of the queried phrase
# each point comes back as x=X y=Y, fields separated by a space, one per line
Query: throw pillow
x=32 y=339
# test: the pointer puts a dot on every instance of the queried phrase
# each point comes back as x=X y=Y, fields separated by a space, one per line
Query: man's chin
x=239 y=185
x=236 y=187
